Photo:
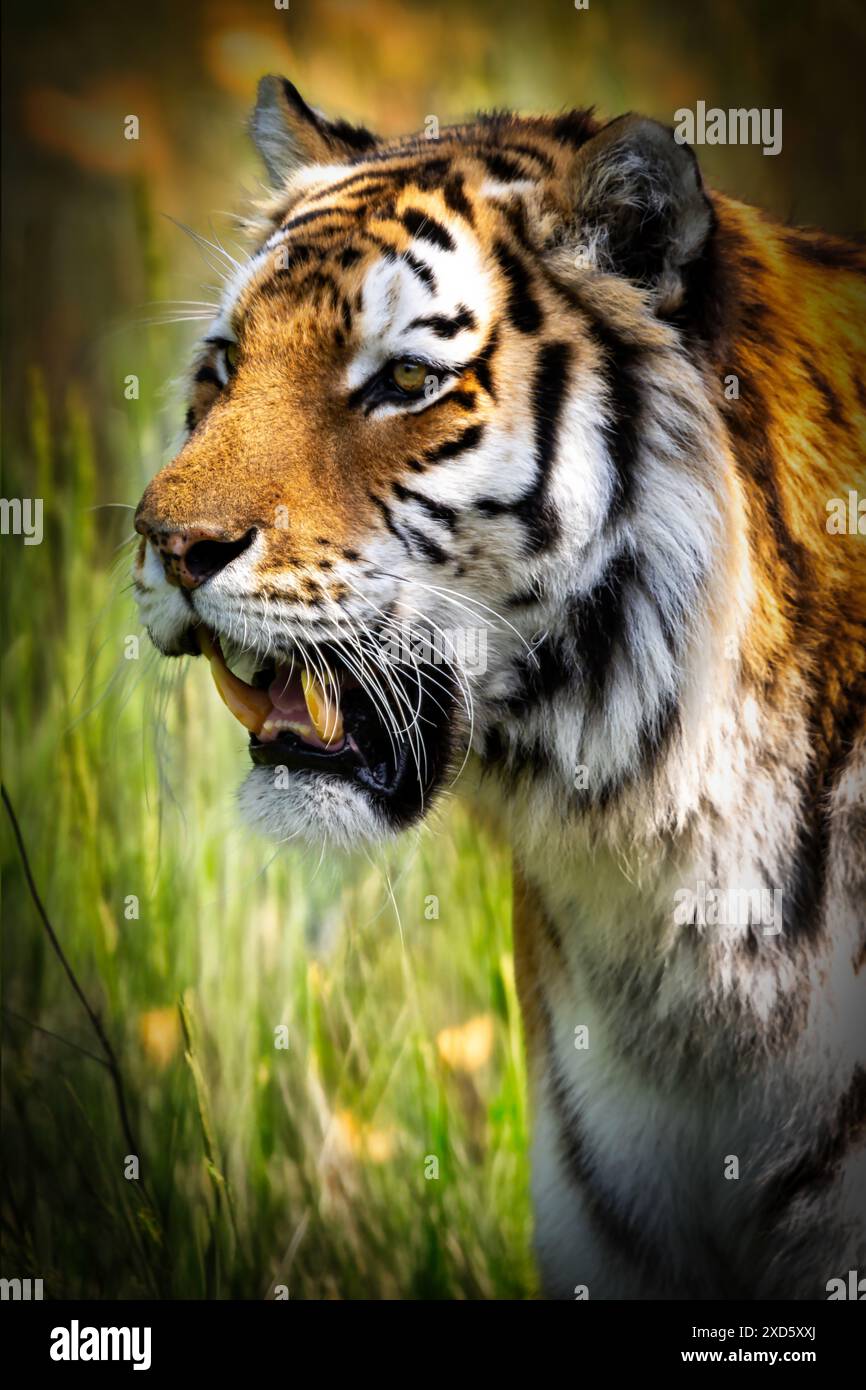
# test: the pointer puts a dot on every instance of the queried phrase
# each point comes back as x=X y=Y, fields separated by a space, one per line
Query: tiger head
x=412 y=495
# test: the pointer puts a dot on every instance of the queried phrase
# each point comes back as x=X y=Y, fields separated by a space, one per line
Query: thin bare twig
x=46 y=1032
x=110 y=1056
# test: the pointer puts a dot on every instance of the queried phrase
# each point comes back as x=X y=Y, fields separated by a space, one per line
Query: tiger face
x=412 y=446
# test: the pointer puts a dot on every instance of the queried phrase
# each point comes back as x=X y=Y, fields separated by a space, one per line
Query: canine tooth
x=247 y=704
x=323 y=708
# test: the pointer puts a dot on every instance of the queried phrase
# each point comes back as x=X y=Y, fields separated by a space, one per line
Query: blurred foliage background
x=307 y=1166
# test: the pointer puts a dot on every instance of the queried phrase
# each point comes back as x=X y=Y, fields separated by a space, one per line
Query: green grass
x=259 y=1166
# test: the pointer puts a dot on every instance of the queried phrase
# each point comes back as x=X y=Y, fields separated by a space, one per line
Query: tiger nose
x=191 y=557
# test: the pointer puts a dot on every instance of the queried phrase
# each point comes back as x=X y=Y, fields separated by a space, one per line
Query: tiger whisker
x=467 y=599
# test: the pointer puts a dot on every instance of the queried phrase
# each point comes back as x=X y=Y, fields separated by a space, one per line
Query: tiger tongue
x=302 y=705
x=286 y=695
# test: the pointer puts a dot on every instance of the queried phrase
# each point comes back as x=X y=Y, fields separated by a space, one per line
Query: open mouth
x=394 y=746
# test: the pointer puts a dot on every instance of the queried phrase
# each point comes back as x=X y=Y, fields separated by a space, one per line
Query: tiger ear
x=289 y=134
x=639 y=206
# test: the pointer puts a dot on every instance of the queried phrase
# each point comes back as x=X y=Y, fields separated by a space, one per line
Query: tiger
x=529 y=379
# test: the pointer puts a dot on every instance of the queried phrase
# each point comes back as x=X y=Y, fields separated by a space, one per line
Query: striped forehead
x=428 y=292
x=440 y=274
x=432 y=301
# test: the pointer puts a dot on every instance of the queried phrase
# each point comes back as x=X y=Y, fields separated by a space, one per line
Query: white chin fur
x=311 y=806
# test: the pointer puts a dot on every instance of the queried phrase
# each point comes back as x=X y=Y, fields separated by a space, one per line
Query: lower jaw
x=399 y=789
x=308 y=808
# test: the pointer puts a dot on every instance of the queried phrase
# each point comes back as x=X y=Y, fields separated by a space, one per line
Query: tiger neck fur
x=693 y=763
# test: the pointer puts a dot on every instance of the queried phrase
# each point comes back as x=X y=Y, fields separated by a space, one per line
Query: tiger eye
x=409 y=376
x=231 y=355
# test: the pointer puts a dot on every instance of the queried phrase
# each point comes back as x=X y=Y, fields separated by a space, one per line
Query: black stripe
x=319 y=284
x=357 y=137
x=539 y=674
x=385 y=212
x=414 y=147
x=312 y=281
x=299 y=255
x=465 y=398
x=827 y=253
x=304 y=218
x=390 y=523
x=452 y=448
x=421 y=224
x=598 y=620
x=502 y=167
x=657 y=733
x=525 y=599
x=439 y=512
x=832 y=405
x=425 y=544
x=622 y=421
x=456 y=200
x=583 y=659
x=480 y=365
x=363 y=192
x=624 y=407
x=814 y=1170
x=531 y=152
x=746 y=421
x=523 y=308
x=337 y=133
x=575 y=127
x=494 y=748
x=430 y=175
x=402 y=174
x=515 y=215
x=428 y=547
x=549 y=387
x=443 y=326
x=613 y=1225
x=421 y=270
x=333 y=242
x=367 y=170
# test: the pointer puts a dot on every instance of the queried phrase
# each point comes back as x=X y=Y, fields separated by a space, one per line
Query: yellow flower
x=363 y=1141
x=159 y=1030
x=468 y=1046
